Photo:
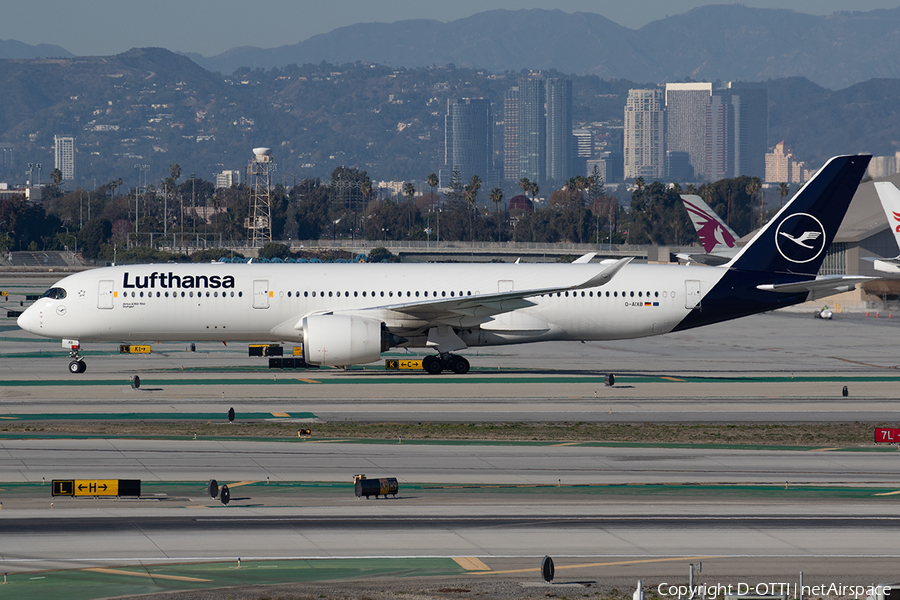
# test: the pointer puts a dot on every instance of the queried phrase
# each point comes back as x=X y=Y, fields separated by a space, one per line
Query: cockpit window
x=55 y=294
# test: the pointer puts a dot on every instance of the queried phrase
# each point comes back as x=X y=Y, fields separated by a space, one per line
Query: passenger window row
x=183 y=294
x=614 y=294
x=382 y=294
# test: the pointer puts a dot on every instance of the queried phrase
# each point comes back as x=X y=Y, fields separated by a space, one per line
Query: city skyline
x=174 y=25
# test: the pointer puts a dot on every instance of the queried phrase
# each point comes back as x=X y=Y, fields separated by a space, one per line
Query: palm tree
x=753 y=188
x=433 y=181
x=365 y=189
x=535 y=189
x=471 y=196
x=497 y=197
x=175 y=170
x=783 y=190
x=525 y=184
x=409 y=190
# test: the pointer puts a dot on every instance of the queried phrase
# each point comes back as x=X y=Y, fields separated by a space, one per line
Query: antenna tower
x=259 y=223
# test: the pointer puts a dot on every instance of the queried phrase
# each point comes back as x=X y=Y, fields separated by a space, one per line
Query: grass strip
x=774 y=436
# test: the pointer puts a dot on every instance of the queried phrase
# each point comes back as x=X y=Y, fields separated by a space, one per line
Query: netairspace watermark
x=792 y=590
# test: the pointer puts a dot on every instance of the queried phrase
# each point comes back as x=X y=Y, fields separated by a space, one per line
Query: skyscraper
x=559 y=129
x=645 y=126
x=7 y=157
x=469 y=140
x=751 y=123
x=532 y=130
x=720 y=132
x=65 y=156
x=511 y=135
x=737 y=131
x=686 y=121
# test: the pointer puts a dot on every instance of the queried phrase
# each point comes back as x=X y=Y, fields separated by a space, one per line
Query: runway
x=462 y=463
x=638 y=510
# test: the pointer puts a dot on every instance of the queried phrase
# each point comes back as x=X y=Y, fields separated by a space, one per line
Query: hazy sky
x=103 y=27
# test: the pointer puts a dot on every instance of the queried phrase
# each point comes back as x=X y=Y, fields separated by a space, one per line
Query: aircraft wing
x=472 y=310
x=818 y=287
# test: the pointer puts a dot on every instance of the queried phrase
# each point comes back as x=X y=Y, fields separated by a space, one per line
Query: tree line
x=109 y=220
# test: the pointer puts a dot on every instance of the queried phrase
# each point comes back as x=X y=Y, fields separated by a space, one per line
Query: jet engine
x=338 y=340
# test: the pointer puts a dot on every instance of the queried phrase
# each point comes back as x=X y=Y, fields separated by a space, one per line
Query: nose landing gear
x=77 y=365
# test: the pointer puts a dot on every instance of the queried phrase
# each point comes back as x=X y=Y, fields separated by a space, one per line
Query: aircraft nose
x=28 y=320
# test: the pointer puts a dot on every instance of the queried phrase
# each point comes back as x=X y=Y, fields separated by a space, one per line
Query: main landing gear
x=77 y=365
x=445 y=362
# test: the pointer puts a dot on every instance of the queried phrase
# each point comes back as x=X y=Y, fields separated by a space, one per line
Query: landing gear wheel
x=459 y=365
x=77 y=366
x=432 y=365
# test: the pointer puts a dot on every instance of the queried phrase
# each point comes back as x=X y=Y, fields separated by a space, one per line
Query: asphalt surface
x=638 y=511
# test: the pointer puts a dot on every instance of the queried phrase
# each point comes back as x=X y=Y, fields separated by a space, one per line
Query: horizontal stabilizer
x=819 y=287
x=713 y=260
x=886 y=265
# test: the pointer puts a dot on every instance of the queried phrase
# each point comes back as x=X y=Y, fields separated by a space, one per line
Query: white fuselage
x=266 y=302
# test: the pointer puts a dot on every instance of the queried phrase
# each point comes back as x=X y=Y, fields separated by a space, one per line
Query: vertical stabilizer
x=796 y=240
x=714 y=233
x=890 y=201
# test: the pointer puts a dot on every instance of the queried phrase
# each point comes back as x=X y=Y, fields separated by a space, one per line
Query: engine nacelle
x=338 y=340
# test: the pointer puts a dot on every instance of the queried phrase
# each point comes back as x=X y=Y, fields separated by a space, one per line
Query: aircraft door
x=504 y=285
x=105 y=295
x=261 y=293
x=692 y=294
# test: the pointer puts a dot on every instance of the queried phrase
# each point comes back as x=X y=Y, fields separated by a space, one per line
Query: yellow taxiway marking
x=672 y=378
x=10 y=418
x=308 y=380
x=231 y=485
x=280 y=414
x=603 y=564
x=470 y=563
x=147 y=575
x=888 y=494
x=822 y=449
x=568 y=444
x=327 y=441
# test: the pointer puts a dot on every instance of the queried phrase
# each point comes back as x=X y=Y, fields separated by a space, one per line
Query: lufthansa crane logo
x=800 y=238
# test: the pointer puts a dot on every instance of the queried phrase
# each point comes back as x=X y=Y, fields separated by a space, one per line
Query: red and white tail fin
x=714 y=234
x=890 y=201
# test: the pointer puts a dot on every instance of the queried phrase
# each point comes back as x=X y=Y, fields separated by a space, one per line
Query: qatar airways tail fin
x=717 y=238
x=714 y=234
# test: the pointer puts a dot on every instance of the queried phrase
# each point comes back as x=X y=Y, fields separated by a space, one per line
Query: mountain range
x=727 y=42
x=709 y=43
x=151 y=106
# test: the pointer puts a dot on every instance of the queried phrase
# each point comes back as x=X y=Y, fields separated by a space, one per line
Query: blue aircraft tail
x=796 y=240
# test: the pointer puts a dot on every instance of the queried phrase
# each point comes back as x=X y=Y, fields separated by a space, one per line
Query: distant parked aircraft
x=717 y=238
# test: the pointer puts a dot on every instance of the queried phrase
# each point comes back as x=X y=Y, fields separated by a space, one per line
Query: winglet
x=604 y=276
x=584 y=259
